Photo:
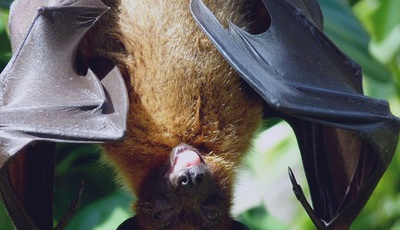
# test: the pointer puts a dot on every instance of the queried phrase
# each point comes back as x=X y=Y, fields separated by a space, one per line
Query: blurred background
x=366 y=30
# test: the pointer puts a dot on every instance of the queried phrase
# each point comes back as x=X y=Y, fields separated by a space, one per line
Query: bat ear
x=130 y=224
x=239 y=226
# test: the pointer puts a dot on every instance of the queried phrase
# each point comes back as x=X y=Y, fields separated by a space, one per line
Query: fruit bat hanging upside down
x=197 y=95
x=191 y=116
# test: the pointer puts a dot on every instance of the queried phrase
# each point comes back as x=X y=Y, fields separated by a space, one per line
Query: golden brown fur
x=181 y=90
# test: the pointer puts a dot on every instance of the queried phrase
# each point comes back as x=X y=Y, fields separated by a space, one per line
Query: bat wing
x=306 y=80
x=42 y=97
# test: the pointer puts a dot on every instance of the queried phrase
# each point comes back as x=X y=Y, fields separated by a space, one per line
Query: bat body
x=181 y=91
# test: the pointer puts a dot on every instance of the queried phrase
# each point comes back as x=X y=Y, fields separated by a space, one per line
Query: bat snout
x=188 y=168
x=193 y=176
x=184 y=156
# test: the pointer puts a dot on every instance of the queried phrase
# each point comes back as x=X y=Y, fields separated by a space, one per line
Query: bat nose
x=191 y=177
x=183 y=180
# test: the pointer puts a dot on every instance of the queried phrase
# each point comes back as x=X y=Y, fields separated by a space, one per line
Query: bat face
x=183 y=194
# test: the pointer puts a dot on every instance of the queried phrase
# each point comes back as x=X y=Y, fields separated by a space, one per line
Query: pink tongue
x=186 y=159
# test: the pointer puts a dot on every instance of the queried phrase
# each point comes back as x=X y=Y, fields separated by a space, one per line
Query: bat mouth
x=183 y=157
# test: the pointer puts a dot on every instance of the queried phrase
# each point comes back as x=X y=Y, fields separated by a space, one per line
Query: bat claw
x=298 y=191
x=76 y=202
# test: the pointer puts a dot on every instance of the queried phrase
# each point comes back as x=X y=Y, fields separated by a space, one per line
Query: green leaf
x=5 y=47
x=353 y=2
x=104 y=214
x=5 y=3
x=343 y=28
x=5 y=222
x=385 y=18
x=385 y=26
x=76 y=163
x=258 y=219
x=388 y=48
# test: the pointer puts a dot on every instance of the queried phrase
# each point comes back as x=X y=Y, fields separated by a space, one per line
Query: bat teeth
x=181 y=149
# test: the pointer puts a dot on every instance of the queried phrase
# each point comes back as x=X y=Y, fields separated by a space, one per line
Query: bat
x=191 y=114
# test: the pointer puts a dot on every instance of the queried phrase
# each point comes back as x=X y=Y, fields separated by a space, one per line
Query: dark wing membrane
x=298 y=71
x=311 y=9
x=41 y=95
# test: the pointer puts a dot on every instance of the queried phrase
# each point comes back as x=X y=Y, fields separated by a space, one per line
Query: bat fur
x=181 y=89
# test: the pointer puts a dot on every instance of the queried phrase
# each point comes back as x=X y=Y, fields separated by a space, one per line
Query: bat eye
x=211 y=214
x=163 y=214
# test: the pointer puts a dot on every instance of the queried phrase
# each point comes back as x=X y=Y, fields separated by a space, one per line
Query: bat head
x=186 y=192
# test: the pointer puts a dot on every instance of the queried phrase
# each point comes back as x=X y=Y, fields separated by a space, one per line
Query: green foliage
x=257 y=218
x=264 y=183
x=102 y=204
x=345 y=30
x=5 y=3
x=5 y=47
x=76 y=163
x=103 y=214
x=382 y=20
x=5 y=223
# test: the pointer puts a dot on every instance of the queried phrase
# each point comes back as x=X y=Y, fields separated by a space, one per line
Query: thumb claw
x=298 y=191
